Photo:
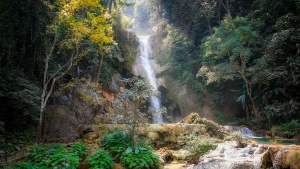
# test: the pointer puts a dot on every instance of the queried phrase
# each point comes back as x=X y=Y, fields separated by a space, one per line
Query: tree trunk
x=110 y=5
x=226 y=7
x=97 y=71
x=249 y=93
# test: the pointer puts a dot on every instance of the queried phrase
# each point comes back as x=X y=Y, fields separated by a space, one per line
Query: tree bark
x=97 y=71
x=110 y=5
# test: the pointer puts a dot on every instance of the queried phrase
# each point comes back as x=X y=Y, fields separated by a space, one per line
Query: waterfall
x=145 y=69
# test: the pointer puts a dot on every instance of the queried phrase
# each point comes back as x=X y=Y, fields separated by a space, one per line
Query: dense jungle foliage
x=46 y=46
x=249 y=49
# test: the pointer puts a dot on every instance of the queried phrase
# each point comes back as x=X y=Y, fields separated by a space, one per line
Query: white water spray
x=145 y=69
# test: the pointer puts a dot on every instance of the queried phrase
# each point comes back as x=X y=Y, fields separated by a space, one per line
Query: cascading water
x=227 y=155
x=146 y=70
x=243 y=130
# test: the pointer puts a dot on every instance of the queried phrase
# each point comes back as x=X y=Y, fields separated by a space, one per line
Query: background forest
x=240 y=54
x=232 y=52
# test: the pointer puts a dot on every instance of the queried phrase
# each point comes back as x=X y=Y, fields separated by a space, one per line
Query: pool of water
x=270 y=141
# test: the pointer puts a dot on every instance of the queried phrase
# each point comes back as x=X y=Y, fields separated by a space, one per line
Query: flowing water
x=243 y=130
x=227 y=156
x=144 y=68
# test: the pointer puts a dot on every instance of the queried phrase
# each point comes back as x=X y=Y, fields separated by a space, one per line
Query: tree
x=229 y=51
x=77 y=21
x=130 y=105
x=277 y=71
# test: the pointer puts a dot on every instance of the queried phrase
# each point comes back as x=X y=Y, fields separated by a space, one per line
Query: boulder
x=193 y=118
x=243 y=165
x=212 y=128
x=153 y=136
x=281 y=157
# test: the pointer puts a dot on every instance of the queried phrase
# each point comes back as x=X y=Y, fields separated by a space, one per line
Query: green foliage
x=280 y=112
x=140 y=158
x=290 y=126
x=198 y=146
x=220 y=117
x=14 y=141
x=79 y=149
x=100 y=159
x=52 y=156
x=180 y=55
x=21 y=165
x=120 y=145
x=241 y=95
x=230 y=48
x=116 y=143
x=22 y=47
x=280 y=61
x=20 y=96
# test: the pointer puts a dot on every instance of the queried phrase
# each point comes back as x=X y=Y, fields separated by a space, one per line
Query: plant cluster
x=52 y=156
x=140 y=158
x=100 y=159
x=293 y=125
x=79 y=149
x=121 y=147
x=116 y=143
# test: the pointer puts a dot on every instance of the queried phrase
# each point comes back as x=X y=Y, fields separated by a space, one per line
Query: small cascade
x=247 y=132
x=145 y=69
x=227 y=155
x=243 y=130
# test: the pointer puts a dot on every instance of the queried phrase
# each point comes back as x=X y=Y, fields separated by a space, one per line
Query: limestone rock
x=167 y=156
x=193 y=118
x=287 y=158
x=153 y=136
x=281 y=157
x=98 y=119
x=212 y=128
x=180 y=155
x=243 y=165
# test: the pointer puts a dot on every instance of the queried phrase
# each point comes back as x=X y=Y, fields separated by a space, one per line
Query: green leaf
x=128 y=150
x=136 y=150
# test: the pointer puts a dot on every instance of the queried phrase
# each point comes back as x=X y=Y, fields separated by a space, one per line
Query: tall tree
x=77 y=21
x=230 y=50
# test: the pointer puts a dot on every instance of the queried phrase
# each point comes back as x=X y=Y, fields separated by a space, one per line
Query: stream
x=228 y=156
x=231 y=155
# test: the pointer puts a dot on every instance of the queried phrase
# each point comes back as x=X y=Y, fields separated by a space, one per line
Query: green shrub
x=21 y=165
x=100 y=159
x=116 y=143
x=51 y=156
x=79 y=149
x=292 y=125
x=140 y=158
